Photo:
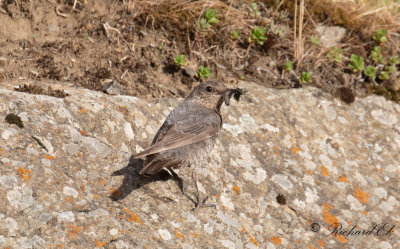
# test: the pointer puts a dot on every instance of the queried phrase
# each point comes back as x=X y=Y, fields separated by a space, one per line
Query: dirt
x=106 y=40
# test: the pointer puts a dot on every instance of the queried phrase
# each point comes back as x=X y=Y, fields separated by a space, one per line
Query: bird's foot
x=202 y=204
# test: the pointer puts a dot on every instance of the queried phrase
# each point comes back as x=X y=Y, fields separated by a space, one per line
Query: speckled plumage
x=188 y=134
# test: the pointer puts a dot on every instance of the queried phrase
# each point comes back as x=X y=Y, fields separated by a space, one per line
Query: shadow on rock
x=132 y=179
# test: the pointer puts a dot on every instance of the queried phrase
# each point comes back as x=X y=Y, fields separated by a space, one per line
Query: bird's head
x=210 y=94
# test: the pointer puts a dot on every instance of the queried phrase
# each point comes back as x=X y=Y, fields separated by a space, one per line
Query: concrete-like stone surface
x=332 y=162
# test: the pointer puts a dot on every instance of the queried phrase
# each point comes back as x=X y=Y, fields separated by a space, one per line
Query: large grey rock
x=331 y=162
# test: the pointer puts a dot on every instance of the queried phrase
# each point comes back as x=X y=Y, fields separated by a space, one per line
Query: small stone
x=330 y=36
x=53 y=28
x=66 y=217
x=165 y=235
x=8 y=133
x=111 y=88
x=113 y=231
x=227 y=219
x=68 y=191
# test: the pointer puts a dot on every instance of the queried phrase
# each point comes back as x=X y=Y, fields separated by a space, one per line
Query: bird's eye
x=209 y=89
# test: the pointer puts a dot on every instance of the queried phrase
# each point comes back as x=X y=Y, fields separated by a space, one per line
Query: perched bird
x=188 y=134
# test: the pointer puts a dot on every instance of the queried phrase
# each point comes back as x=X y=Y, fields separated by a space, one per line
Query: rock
x=330 y=36
x=329 y=161
x=111 y=87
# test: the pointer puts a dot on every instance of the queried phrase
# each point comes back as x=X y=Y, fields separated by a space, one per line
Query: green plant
x=335 y=54
x=180 y=60
x=380 y=35
x=209 y=18
x=288 y=66
x=356 y=63
x=370 y=71
x=394 y=60
x=376 y=55
x=255 y=10
x=258 y=35
x=384 y=75
x=315 y=40
x=390 y=68
x=203 y=72
x=235 y=34
x=305 y=77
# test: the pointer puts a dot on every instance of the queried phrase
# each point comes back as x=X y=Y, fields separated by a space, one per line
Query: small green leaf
x=289 y=66
x=376 y=55
x=204 y=24
x=394 y=60
x=384 y=75
x=210 y=14
x=235 y=34
x=203 y=72
x=254 y=9
x=335 y=54
x=390 y=68
x=370 y=71
x=356 y=63
x=180 y=60
x=380 y=35
x=315 y=40
x=213 y=20
x=258 y=34
x=305 y=77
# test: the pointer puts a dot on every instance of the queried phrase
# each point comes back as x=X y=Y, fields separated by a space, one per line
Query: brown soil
x=104 y=40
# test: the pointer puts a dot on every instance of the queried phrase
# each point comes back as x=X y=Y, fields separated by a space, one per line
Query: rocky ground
x=290 y=165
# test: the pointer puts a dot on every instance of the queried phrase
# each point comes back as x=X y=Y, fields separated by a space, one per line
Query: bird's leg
x=199 y=203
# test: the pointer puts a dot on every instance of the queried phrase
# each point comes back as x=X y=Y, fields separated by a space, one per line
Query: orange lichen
x=83 y=133
x=68 y=199
x=361 y=195
x=364 y=212
x=276 y=240
x=95 y=197
x=50 y=157
x=25 y=174
x=243 y=230
x=83 y=110
x=236 y=189
x=179 y=235
x=276 y=150
x=253 y=240
x=324 y=171
x=79 y=154
x=331 y=220
x=2 y=150
x=217 y=196
x=311 y=247
x=309 y=171
x=100 y=244
x=321 y=243
x=115 y=192
x=73 y=230
x=82 y=188
x=343 y=179
x=132 y=216
x=295 y=149
x=102 y=181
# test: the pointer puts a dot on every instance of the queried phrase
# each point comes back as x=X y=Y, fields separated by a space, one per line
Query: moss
x=14 y=119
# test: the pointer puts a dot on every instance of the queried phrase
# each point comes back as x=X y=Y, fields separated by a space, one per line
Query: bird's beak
x=227 y=96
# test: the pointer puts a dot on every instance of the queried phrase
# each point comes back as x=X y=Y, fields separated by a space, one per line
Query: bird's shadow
x=132 y=180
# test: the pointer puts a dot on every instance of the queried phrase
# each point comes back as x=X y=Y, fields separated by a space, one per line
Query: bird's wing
x=191 y=128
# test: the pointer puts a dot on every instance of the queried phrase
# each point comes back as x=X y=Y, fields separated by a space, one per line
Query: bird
x=189 y=133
